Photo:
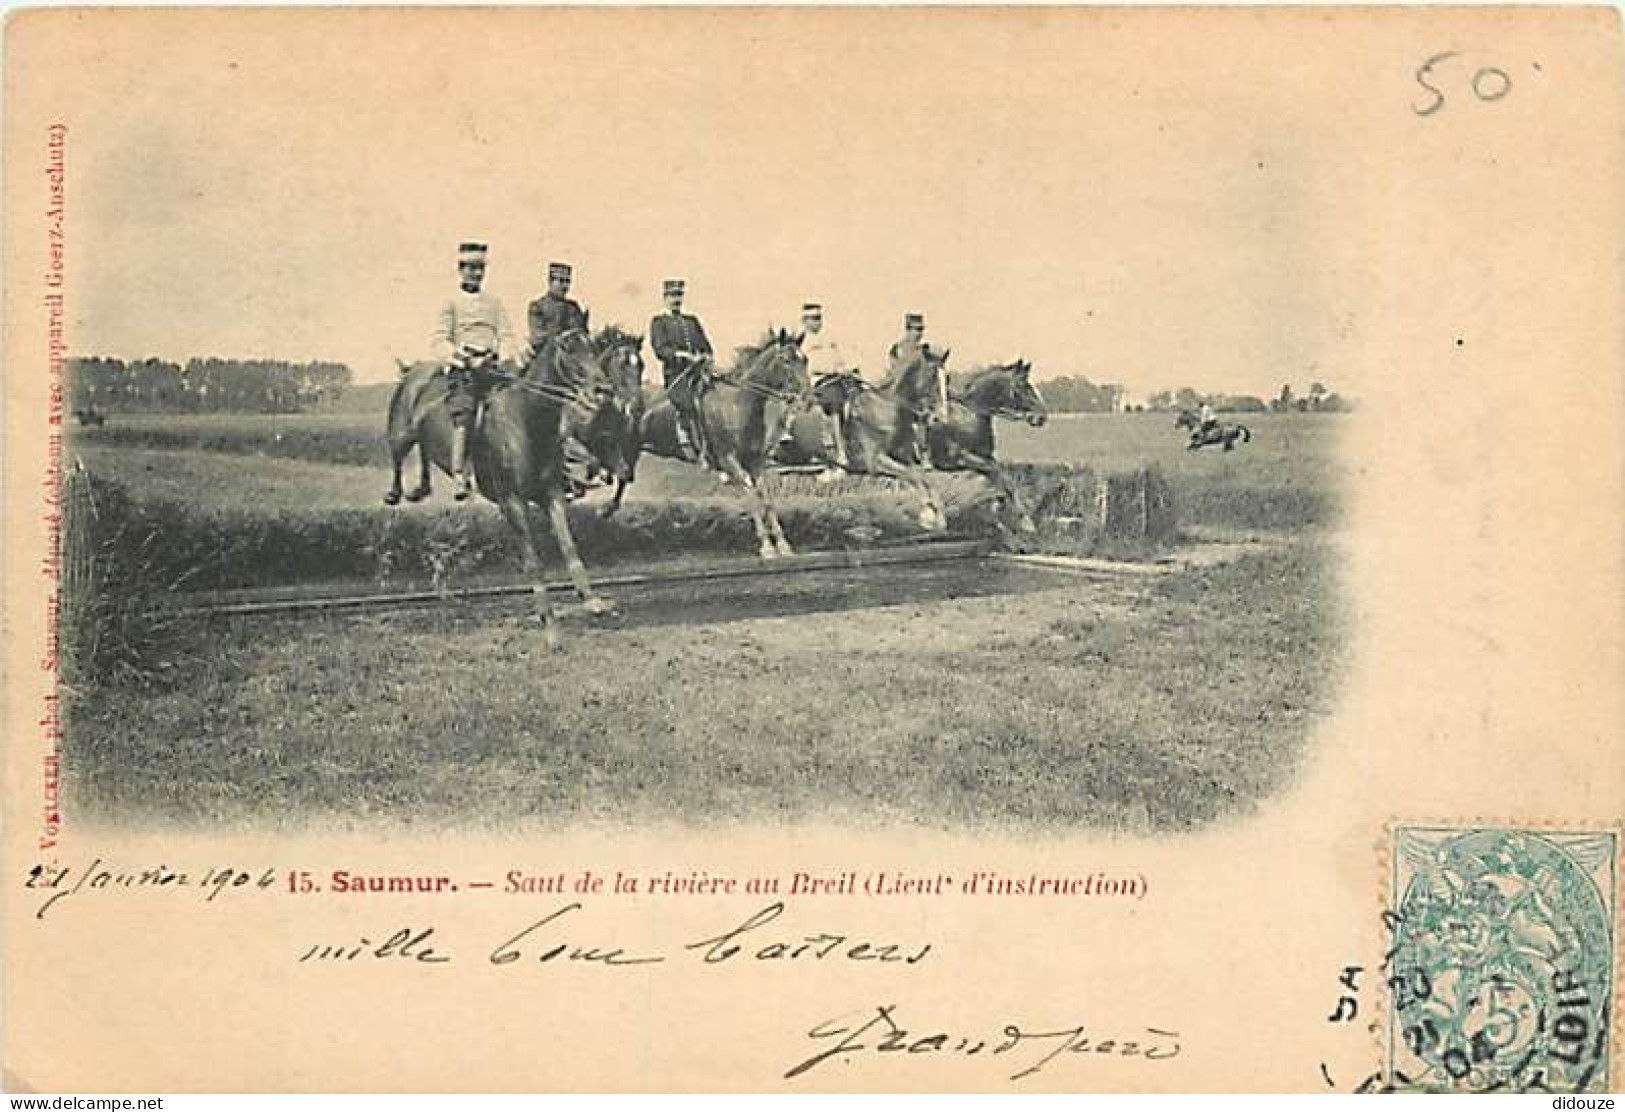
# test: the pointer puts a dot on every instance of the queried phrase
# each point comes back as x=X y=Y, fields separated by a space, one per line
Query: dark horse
x=1220 y=433
x=878 y=425
x=963 y=439
x=517 y=445
x=612 y=436
x=744 y=411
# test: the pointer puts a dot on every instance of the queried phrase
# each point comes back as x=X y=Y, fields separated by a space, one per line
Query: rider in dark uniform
x=905 y=349
x=900 y=355
x=550 y=315
x=470 y=334
x=554 y=311
x=680 y=343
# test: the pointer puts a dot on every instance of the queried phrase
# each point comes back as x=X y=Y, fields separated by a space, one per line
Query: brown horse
x=963 y=439
x=744 y=412
x=878 y=425
x=517 y=446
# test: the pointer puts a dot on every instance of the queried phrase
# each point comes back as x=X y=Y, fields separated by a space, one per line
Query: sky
x=1074 y=188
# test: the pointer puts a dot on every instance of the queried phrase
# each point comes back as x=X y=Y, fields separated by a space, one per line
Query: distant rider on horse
x=469 y=337
x=685 y=355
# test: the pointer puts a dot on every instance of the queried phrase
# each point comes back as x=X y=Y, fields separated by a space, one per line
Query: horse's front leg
x=756 y=503
x=518 y=517
x=781 y=543
x=614 y=504
x=595 y=603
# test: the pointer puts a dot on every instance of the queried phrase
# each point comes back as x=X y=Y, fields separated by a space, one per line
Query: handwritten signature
x=547 y=940
x=882 y=1032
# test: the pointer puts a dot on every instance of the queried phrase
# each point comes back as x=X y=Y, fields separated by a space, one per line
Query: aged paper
x=1317 y=789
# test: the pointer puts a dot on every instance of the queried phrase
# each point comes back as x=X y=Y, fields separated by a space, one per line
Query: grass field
x=1284 y=479
x=952 y=698
x=1137 y=707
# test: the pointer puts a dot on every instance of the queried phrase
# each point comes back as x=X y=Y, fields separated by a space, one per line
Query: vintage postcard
x=814 y=550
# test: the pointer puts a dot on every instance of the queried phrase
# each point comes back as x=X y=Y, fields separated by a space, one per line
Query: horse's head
x=832 y=391
x=1007 y=390
x=622 y=355
x=568 y=359
x=1025 y=398
x=776 y=365
x=613 y=431
x=1186 y=420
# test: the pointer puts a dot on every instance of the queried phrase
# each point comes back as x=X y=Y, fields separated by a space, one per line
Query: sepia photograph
x=814 y=549
x=764 y=432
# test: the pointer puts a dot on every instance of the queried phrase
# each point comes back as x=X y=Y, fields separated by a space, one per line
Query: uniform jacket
x=472 y=320
x=670 y=333
x=551 y=315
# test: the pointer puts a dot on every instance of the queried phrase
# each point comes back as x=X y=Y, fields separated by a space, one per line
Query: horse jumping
x=743 y=412
x=878 y=425
x=1220 y=433
x=517 y=446
x=963 y=439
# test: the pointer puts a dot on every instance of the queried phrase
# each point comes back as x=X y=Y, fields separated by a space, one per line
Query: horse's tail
x=1246 y=434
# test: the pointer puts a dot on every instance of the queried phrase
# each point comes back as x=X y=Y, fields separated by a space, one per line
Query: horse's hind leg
x=513 y=509
x=1015 y=516
x=595 y=603
x=781 y=543
x=931 y=515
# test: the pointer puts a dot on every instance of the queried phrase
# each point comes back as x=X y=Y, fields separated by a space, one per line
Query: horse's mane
x=745 y=354
x=613 y=335
x=962 y=383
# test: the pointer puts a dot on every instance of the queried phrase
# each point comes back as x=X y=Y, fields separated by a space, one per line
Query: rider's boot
x=578 y=467
x=459 y=462
x=685 y=443
x=831 y=473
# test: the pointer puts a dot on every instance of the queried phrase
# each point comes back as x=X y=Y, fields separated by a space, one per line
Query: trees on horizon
x=208 y=385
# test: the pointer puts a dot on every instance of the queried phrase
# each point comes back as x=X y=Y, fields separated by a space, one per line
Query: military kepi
x=812 y=309
x=914 y=320
x=470 y=251
x=558 y=270
x=672 y=285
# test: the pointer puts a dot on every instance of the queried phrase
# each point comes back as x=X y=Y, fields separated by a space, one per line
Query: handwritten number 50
x=1489 y=83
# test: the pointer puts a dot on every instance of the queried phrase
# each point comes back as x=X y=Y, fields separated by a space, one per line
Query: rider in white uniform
x=471 y=333
x=824 y=359
x=1209 y=419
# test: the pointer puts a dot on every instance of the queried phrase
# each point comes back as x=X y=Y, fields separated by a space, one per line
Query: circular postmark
x=1501 y=968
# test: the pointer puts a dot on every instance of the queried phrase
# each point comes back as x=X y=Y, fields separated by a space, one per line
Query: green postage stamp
x=1501 y=970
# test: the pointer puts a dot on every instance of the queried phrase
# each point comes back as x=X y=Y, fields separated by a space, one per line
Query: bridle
x=565 y=393
x=982 y=409
x=761 y=389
